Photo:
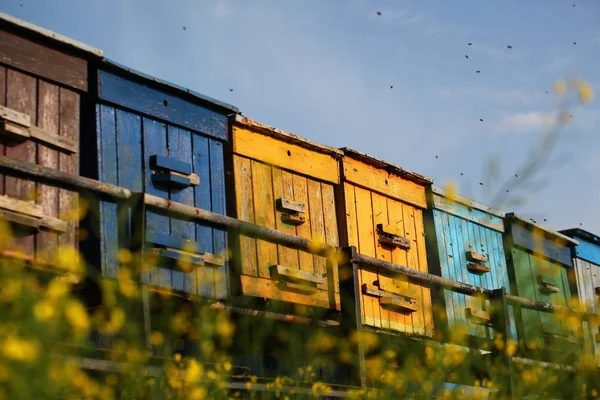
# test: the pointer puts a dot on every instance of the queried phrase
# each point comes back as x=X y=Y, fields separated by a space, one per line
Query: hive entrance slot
x=291 y=211
x=388 y=237
x=391 y=301
x=547 y=286
x=477 y=316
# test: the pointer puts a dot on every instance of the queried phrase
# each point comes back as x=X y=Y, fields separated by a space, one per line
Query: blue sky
x=323 y=70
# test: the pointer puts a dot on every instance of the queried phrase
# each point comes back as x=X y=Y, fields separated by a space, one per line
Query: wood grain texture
x=588 y=279
x=69 y=128
x=163 y=105
x=40 y=60
x=538 y=242
x=21 y=94
x=3 y=82
x=48 y=118
x=382 y=182
x=258 y=187
x=471 y=214
x=285 y=155
x=365 y=209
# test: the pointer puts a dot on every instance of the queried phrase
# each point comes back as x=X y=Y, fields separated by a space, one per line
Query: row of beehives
x=63 y=104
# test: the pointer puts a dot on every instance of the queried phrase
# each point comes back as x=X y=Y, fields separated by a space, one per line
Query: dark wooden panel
x=21 y=95
x=161 y=105
x=45 y=62
x=2 y=103
x=541 y=244
x=48 y=119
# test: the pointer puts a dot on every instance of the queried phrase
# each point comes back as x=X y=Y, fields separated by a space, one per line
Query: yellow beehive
x=383 y=218
x=283 y=182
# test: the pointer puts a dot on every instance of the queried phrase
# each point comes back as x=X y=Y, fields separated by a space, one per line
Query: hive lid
x=13 y=22
x=547 y=231
x=582 y=234
x=457 y=198
x=390 y=168
x=179 y=89
x=287 y=136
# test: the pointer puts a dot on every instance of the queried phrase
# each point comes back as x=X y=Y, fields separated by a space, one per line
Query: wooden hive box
x=465 y=244
x=163 y=140
x=43 y=77
x=586 y=260
x=539 y=265
x=382 y=217
x=284 y=182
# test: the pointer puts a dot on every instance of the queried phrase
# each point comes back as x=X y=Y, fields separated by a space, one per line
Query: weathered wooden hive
x=156 y=138
x=383 y=218
x=539 y=265
x=465 y=244
x=43 y=77
x=283 y=182
x=586 y=260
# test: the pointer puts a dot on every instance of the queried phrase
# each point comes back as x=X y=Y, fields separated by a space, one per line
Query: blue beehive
x=157 y=138
x=464 y=243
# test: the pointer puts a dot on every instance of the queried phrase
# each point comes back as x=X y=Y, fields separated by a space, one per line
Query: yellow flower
x=43 y=310
x=157 y=338
x=560 y=87
x=224 y=327
x=69 y=259
x=198 y=393
x=20 y=349
x=126 y=284
x=11 y=289
x=193 y=372
x=586 y=93
x=77 y=316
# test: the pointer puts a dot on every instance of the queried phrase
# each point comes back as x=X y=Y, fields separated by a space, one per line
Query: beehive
x=383 y=218
x=283 y=182
x=586 y=260
x=465 y=244
x=539 y=261
x=157 y=138
x=43 y=76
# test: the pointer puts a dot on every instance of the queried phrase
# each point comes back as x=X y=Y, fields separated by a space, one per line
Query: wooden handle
x=399 y=303
x=169 y=171
x=291 y=211
x=176 y=247
x=472 y=256
x=478 y=268
x=388 y=237
x=296 y=276
x=17 y=126
x=547 y=286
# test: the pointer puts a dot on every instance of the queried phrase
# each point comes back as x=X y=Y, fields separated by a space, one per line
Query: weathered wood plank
x=315 y=205
x=379 y=209
x=3 y=77
x=421 y=253
x=202 y=279
x=283 y=188
x=384 y=183
x=285 y=155
x=300 y=183
x=242 y=170
x=143 y=98
x=412 y=261
x=331 y=234
x=107 y=161
x=8 y=114
x=218 y=200
x=48 y=119
x=471 y=214
x=21 y=93
x=264 y=214
x=155 y=142
x=366 y=245
x=47 y=138
x=43 y=61
x=69 y=128
x=179 y=145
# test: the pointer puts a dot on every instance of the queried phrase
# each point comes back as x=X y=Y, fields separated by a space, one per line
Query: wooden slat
x=43 y=61
x=413 y=261
x=331 y=233
x=283 y=188
x=21 y=96
x=384 y=183
x=8 y=114
x=69 y=128
x=285 y=272
x=315 y=202
x=48 y=119
x=285 y=155
x=201 y=281
x=48 y=138
x=421 y=255
x=379 y=210
x=242 y=170
x=471 y=214
x=264 y=214
x=2 y=103
x=22 y=207
x=306 y=260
